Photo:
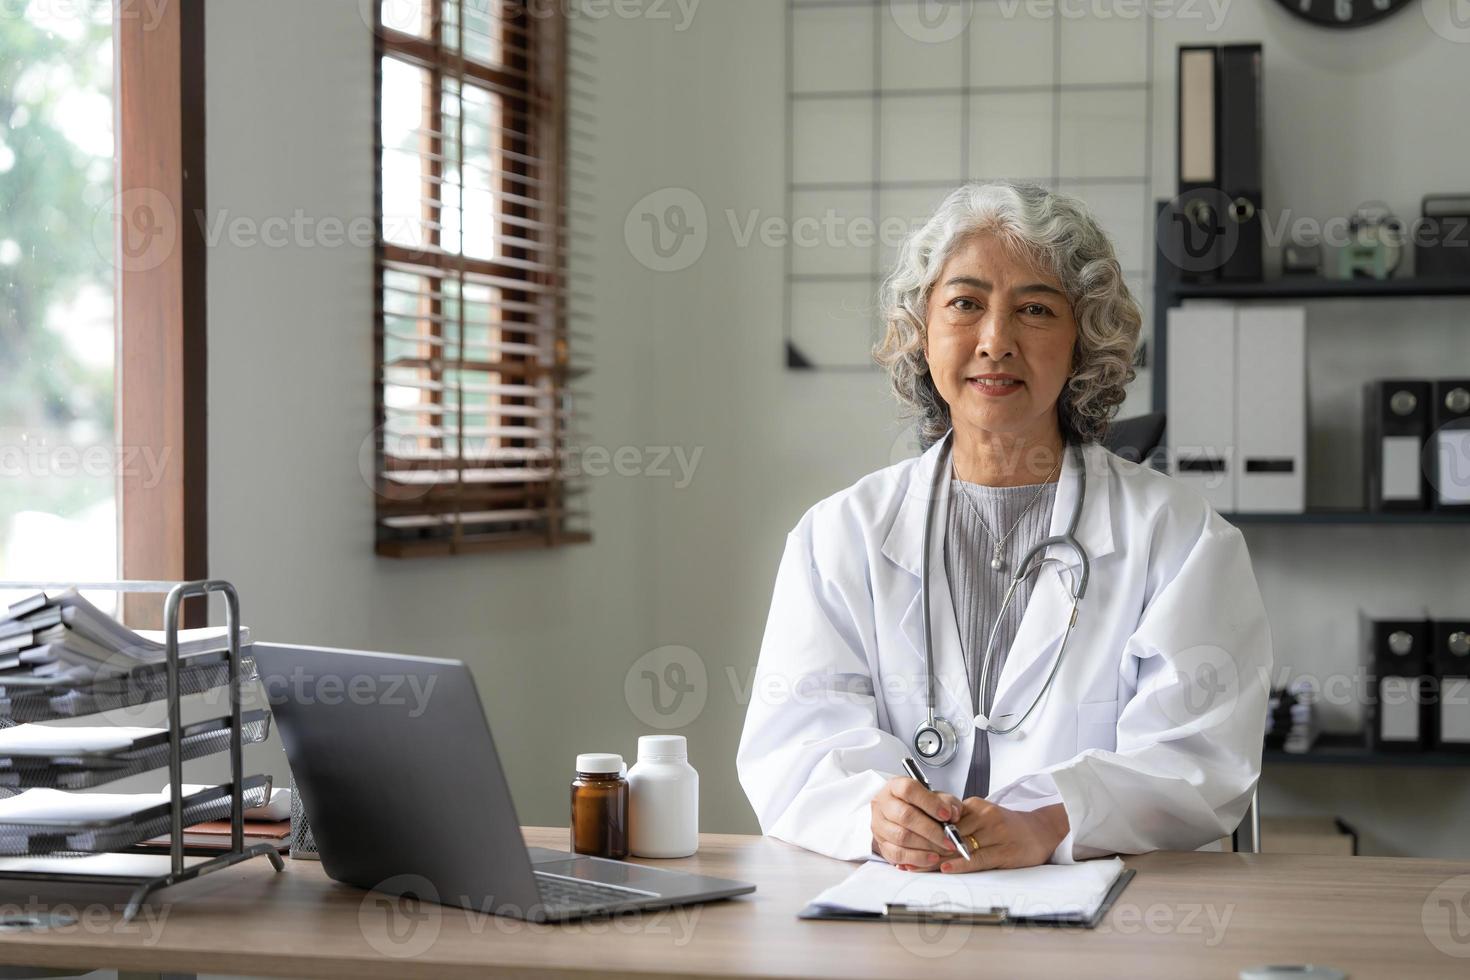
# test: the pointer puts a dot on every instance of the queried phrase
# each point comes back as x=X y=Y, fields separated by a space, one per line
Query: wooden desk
x=1184 y=915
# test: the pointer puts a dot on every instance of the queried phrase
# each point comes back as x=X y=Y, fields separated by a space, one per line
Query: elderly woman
x=1073 y=647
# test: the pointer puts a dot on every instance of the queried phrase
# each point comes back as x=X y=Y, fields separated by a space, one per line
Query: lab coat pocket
x=1097 y=725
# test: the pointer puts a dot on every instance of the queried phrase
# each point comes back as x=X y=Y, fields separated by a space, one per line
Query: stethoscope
x=935 y=740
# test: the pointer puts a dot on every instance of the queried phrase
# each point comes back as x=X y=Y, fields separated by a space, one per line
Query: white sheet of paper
x=118 y=865
x=278 y=807
x=48 y=740
x=1049 y=889
x=51 y=805
x=197 y=635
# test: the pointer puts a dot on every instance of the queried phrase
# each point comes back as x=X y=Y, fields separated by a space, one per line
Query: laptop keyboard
x=561 y=894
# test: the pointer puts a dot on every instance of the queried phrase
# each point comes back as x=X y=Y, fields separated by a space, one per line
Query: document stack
x=1278 y=718
x=52 y=640
x=61 y=657
x=1291 y=719
x=1302 y=734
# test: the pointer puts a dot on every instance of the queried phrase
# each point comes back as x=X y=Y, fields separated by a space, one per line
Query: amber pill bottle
x=600 y=806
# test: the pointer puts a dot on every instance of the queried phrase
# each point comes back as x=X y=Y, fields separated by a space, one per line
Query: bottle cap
x=663 y=748
x=599 y=762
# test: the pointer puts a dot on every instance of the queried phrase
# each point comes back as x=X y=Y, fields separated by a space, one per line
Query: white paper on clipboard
x=1077 y=890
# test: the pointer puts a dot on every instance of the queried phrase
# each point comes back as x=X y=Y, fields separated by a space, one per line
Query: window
x=473 y=392
x=58 y=458
x=102 y=291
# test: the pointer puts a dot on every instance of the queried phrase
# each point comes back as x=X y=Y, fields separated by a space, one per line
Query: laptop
x=399 y=778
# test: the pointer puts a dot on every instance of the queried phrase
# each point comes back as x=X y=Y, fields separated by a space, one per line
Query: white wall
x=691 y=359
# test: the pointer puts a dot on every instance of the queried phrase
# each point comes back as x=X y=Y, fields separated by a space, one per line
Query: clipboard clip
x=901 y=912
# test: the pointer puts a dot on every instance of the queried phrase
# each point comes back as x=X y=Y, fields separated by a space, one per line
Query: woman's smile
x=996 y=385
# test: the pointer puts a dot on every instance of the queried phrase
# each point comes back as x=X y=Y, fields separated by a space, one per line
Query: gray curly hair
x=1059 y=233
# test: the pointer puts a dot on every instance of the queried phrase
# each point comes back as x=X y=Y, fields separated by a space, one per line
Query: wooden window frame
x=530 y=80
x=161 y=302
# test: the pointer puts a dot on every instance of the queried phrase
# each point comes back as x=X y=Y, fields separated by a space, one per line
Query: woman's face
x=992 y=313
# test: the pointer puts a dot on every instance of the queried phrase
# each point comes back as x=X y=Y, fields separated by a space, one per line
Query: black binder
x=1395 y=424
x=1451 y=451
x=1398 y=713
x=1239 y=140
x=1442 y=243
x=1450 y=660
x=1196 y=231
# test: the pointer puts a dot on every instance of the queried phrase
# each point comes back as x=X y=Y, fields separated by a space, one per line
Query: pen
x=917 y=775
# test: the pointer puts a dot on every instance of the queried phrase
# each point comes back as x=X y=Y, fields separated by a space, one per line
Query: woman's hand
x=1006 y=838
x=907 y=824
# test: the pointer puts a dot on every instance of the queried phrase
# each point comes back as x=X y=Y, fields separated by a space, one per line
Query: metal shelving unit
x=1352 y=750
x=1170 y=291
x=168 y=681
x=1318 y=287
x=1328 y=516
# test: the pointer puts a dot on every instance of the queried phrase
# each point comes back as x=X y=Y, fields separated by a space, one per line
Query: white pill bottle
x=663 y=799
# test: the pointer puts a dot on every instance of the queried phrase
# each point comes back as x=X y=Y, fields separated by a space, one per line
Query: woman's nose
x=995 y=337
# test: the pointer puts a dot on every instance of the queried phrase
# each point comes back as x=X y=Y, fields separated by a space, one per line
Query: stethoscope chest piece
x=935 y=741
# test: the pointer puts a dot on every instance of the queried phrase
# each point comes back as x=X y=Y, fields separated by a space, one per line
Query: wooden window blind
x=475 y=365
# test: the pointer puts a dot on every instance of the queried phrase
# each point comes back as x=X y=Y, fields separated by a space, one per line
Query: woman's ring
x=974 y=844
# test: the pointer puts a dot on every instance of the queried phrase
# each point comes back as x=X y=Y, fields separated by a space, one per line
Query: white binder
x=1201 y=416
x=1237 y=395
x=1271 y=409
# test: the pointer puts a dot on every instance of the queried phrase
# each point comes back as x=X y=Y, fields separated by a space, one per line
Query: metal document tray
x=114 y=834
x=197 y=674
x=85 y=770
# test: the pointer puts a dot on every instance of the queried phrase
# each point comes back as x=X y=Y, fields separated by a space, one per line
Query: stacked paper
x=51 y=640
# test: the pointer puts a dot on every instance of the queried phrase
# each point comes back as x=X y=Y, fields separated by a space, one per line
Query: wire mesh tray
x=63 y=837
x=85 y=770
x=197 y=674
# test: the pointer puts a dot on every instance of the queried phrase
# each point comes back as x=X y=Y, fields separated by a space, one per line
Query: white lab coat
x=1151 y=734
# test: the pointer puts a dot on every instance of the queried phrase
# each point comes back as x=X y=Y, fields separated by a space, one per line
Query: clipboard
x=989 y=917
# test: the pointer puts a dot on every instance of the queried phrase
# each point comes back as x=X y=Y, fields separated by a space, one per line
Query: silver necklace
x=997 y=557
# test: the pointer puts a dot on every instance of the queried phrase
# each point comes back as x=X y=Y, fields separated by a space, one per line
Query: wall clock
x=1343 y=13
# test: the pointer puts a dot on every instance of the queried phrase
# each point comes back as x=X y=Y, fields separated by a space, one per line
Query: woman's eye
x=964 y=304
x=1036 y=309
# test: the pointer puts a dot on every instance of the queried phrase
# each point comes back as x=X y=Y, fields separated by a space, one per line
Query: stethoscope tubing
x=1067 y=539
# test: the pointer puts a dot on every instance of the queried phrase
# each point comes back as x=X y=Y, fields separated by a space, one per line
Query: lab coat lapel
x=1049 y=608
x=1033 y=651
x=904 y=547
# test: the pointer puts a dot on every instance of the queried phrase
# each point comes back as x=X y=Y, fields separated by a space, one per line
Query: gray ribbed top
x=977 y=590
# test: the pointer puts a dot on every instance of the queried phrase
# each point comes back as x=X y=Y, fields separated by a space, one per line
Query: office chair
x=1136 y=438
